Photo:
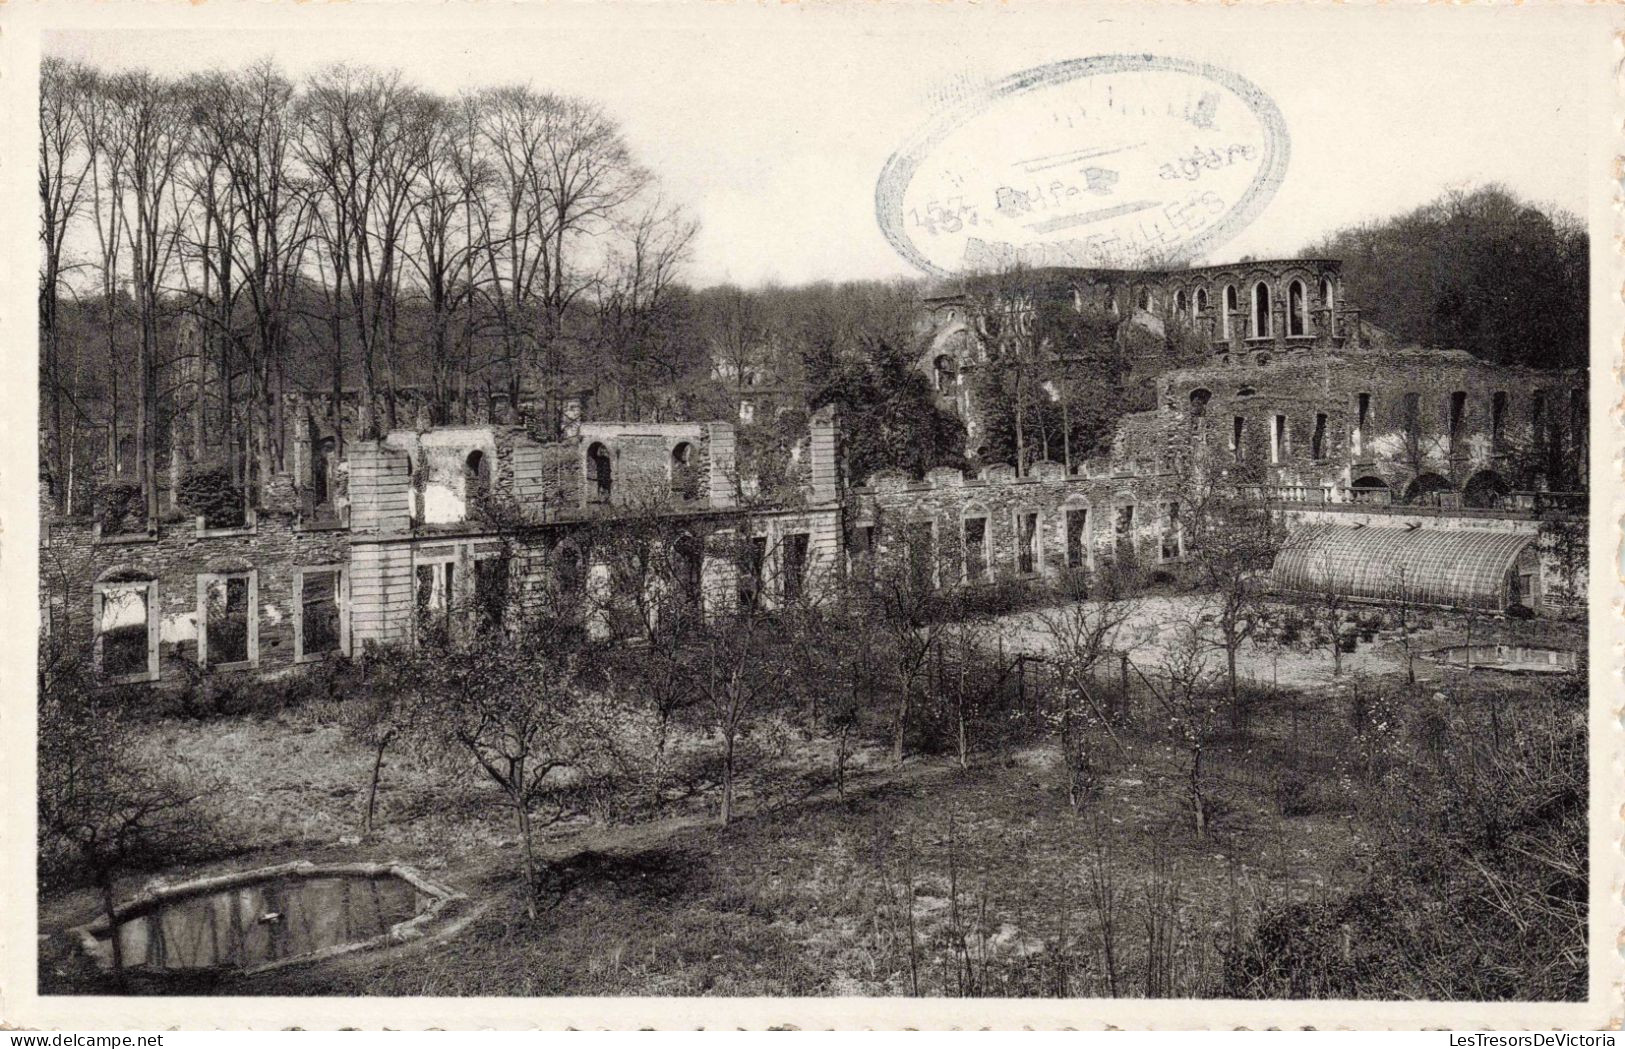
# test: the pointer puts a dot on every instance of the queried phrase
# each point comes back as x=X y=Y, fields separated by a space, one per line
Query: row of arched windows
x=1260 y=322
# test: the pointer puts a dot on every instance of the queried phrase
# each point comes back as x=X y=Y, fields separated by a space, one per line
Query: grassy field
x=926 y=879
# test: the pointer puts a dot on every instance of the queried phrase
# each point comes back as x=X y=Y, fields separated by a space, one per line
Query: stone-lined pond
x=261 y=919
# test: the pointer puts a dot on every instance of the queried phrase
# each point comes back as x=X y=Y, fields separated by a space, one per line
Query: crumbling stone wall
x=275 y=547
x=1386 y=418
x=891 y=503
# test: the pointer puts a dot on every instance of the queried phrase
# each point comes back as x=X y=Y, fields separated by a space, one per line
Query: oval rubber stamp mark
x=1112 y=160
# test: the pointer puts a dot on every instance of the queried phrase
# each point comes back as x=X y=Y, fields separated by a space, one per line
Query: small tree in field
x=1189 y=696
x=899 y=597
x=383 y=713
x=1083 y=635
x=1325 y=608
x=507 y=706
x=1402 y=601
x=1565 y=538
x=735 y=668
x=1233 y=542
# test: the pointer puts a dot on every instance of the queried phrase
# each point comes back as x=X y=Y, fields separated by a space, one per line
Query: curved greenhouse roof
x=1460 y=568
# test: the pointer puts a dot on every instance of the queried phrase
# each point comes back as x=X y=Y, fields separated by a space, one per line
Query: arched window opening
x=1199 y=399
x=321 y=478
x=684 y=479
x=1144 y=299
x=1297 y=309
x=1328 y=302
x=569 y=569
x=945 y=374
x=477 y=475
x=600 y=473
x=1181 y=302
x=1484 y=490
x=1232 y=304
x=1426 y=490
x=1200 y=306
x=1261 y=310
x=688 y=571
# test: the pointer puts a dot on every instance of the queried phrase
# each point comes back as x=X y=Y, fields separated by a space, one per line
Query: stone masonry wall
x=948 y=498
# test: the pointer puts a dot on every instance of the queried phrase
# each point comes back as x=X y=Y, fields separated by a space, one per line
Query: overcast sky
x=771 y=124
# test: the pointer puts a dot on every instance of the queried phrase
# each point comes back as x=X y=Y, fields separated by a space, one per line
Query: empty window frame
x=1261 y=311
x=975 y=536
x=1278 y=439
x=1317 y=441
x=688 y=571
x=753 y=563
x=1362 y=415
x=1412 y=410
x=600 y=473
x=1238 y=435
x=1232 y=304
x=1027 y=542
x=860 y=550
x=685 y=478
x=1123 y=531
x=491 y=576
x=436 y=590
x=1458 y=415
x=126 y=615
x=1173 y=533
x=793 y=556
x=1498 y=418
x=920 y=549
x=228 y=629
x=1297 y=309
x=1077 y=537
x=320 y=629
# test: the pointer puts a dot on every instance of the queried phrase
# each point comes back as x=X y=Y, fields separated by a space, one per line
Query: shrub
x=116 y=503
x=1520 y=612
x=211 y=494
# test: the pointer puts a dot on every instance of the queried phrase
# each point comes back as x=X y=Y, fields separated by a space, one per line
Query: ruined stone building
x=1378 y=455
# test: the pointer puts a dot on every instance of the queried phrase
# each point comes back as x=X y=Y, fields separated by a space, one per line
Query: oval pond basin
x=263 y=922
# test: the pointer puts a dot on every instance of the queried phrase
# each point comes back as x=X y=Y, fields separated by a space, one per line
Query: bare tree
x=1233 y=540
x=634 y=304
x=64 y=169
x=1325 y=609
x=153 y=132
x=450 y=253
x=365 y=142
x=508 y=705
x=1187 y=694
x=734 y=670
x=97 y=801
x=1082 y=634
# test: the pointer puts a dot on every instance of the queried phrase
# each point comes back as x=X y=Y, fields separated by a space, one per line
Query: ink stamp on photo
x=1110 y=160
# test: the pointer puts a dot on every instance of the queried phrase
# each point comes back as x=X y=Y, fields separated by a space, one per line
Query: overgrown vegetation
x=1063 y=821
x=1478 y=270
